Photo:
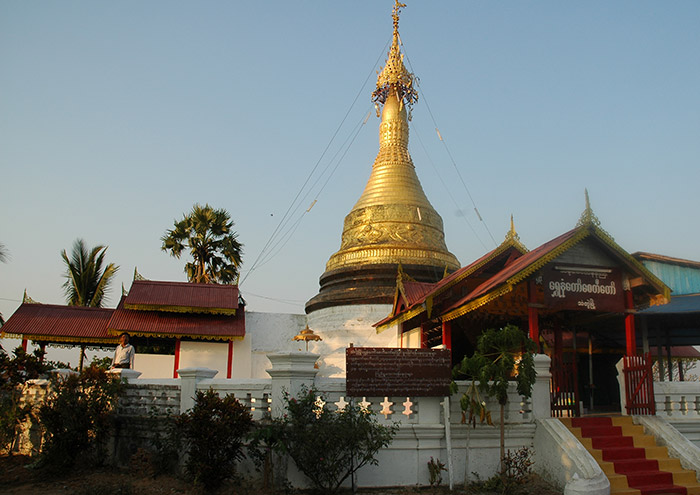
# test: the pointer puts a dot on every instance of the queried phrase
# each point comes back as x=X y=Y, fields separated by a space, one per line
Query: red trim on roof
x=513 y=268
x=182 y=296
x=60 y=322
x=167 y=324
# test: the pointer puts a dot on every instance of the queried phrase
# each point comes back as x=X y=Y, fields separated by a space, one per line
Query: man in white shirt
x=124 y=353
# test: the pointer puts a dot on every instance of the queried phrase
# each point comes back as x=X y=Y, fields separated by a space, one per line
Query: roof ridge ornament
x=394 y=78
x=588 y=218
x=512 y=238
x=137 y=275
x=28 y=300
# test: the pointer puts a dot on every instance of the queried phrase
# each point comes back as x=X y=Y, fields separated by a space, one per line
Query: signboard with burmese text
x=583 y=288
x=389 y=371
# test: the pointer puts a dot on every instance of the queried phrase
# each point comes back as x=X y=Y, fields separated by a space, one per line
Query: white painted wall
x=270 y=333
x=342 y=325
x=154 y=365
x=212 y=355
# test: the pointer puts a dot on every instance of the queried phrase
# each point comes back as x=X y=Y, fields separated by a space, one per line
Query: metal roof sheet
x=679 y=304
x=183 y=297
x=54 y=323
x=176 y=325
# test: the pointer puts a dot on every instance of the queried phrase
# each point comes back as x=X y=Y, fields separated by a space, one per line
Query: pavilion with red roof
x=152 y=311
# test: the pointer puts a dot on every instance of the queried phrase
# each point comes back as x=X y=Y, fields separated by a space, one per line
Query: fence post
x=290 y=372
x=620 y=367
x=541 y=407
x=189 y=378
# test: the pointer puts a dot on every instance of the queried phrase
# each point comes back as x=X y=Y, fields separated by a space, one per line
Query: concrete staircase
x=631 y=460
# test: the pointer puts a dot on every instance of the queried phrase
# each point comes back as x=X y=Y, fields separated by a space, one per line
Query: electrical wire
x=447 y=149
x=285 y=219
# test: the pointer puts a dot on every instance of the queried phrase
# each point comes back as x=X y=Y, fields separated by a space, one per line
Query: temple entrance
x=584 y=349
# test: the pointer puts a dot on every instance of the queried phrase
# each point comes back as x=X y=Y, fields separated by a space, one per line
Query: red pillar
x=177 y=358
x=230 y=359
x=447 y=334
x=533 y=319
x=423 y=337
x=630 y=336
x=24 y=344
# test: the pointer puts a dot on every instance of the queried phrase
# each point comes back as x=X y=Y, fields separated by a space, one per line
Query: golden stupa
x=392 y=223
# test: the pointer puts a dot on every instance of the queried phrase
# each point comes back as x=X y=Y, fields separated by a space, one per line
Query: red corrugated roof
x=515 y=267
x=183 y=297
x=53 y=323
x=416 y=291
x=417 y=299
x=167 y=324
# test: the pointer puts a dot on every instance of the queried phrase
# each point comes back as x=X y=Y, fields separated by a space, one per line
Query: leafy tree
x=329 y=446
x=509 y=353
x=77 y=418
x=206 y=233
x=472 y=404
x=13 y=373
x=87 y=276
x=213 y=431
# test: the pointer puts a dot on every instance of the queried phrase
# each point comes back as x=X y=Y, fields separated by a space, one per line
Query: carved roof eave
x=584 y=231
x=456 y=277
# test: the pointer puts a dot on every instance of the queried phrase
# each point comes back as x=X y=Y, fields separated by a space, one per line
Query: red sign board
x=583 y=288
x=388 y=371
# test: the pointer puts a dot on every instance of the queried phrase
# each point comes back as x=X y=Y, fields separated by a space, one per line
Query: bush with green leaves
x=77 y=418
x=329 y=446
x=213 y=432
x=14 y=372
x=502 y=355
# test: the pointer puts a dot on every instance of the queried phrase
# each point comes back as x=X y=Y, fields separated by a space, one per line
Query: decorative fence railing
x=677 y=400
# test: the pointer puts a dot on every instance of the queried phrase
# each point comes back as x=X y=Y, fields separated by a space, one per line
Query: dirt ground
x=18 y=479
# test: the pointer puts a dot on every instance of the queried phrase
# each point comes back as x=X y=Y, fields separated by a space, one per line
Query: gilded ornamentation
x=393 y=221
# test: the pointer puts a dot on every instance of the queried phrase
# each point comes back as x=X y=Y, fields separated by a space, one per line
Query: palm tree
x=214 y=247
x=87 y=277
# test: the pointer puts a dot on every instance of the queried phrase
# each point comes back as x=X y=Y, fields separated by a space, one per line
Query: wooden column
x=630 y=336
x=229 y=363
x=447 y=334
x=24 y=344
x=533 y=319
x=176 y=364
x=423 y=336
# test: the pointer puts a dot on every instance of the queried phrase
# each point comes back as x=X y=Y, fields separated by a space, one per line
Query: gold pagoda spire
x=393 y=221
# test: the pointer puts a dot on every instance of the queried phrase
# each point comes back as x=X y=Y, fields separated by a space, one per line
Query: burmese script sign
x=387 y=371
x=583 y=288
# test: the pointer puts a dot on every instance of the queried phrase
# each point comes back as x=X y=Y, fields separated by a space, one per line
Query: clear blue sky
x=115 y=117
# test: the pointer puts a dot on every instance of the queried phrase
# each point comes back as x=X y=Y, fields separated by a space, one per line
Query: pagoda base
x=366 y=284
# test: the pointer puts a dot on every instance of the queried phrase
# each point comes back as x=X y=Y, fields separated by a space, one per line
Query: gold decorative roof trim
x=51 y=338
x=510 y=241
x=28 y=300
x=508 y=285
x=405 y=316
x=175 y=335
x=137 y=275
x=477 y=303
x=656 y=282
x=583 y=233
x=180 y=309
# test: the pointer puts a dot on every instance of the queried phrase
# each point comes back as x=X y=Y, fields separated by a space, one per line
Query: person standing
x=124 y=353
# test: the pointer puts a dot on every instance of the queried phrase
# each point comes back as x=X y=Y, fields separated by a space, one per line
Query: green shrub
x=77 y=418
x=213 y=432
x=329 y=446
x=14 y=372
